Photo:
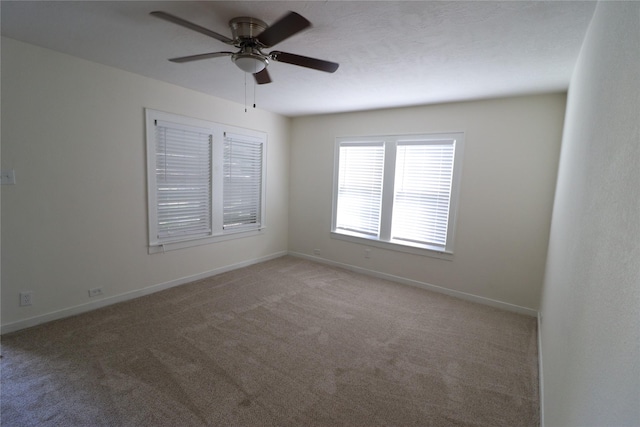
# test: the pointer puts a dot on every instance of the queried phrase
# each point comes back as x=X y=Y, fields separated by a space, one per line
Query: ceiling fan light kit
x=250 y=62
x=250 y=36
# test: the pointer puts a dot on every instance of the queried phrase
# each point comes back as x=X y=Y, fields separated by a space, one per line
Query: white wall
x=509 y=170
x=590 y=325
x=73 y=131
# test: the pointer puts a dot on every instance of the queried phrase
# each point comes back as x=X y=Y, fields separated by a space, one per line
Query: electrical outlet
x=26 y=298
x=367 y=253
x=316 y=251
x=95 y=292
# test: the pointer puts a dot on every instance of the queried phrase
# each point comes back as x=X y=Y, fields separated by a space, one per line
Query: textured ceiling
x=391 y=53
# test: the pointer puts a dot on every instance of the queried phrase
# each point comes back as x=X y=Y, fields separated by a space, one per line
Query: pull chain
x=245 y=93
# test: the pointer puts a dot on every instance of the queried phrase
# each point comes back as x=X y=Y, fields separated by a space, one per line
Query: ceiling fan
x=250 y=36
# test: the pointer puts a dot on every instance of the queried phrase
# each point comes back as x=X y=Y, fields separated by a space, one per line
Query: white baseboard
x=540 y=377
x=458 y=294
x=72 y=311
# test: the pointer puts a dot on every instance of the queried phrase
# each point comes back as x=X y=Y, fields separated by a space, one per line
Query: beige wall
x=73 y=131
x=590 y=316
x=508 y=178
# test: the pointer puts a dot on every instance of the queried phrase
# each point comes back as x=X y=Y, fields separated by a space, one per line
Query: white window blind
x=242 y=171
x=422 y=191
x=360 y=187
x=183 y=181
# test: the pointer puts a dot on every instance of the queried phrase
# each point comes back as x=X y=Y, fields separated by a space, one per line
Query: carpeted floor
x=287 y=342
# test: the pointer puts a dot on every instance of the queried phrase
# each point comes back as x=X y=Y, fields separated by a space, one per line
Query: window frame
x=383 y=239
x=218 y=133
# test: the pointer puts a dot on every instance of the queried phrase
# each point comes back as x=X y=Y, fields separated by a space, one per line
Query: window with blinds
x=242 y=173
x=206 y=181
x=360 y=187
x=398 y=191
x=422 y=191
x=183 y=181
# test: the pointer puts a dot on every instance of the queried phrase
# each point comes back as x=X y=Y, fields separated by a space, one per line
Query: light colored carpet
x=287 y=342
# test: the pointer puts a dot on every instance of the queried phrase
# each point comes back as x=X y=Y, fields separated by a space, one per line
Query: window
x=183 y=181
x=205 y=181
x=398 y=192
x=360 y=187
x=242 y=189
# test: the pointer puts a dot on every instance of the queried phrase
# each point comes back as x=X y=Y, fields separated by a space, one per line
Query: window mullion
x=217 y=181
x=387 y=189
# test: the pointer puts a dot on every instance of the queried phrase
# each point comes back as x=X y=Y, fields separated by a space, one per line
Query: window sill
x=416 y=249
x=182 y=244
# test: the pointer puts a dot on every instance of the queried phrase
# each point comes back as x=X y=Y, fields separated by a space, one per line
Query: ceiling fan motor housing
x=246 y=28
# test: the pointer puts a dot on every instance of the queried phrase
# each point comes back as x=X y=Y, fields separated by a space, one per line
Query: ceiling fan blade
x=262 y=77
x=282 y=29
x=304 y=61
x=199 y=57
x=190 y=25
